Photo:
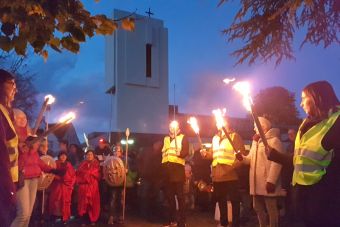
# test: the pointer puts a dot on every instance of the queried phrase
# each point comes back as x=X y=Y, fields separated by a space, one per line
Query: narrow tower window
x=148 y=60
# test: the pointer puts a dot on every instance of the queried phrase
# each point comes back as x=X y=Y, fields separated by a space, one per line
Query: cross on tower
x=149 y=12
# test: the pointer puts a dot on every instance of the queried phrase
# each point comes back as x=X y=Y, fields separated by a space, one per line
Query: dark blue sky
x=199 y=59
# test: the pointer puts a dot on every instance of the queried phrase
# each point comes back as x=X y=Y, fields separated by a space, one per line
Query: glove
x=270 y=187
x=269 y=150
x=59 y=172
x=203 y=152
x=239 y=156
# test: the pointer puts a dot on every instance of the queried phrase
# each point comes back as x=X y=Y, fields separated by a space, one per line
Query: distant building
x=136 y=69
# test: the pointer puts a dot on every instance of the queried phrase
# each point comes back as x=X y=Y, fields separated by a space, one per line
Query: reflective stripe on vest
x=223 y=152
x=169 y=152
x=310 y=158
x=12 y=147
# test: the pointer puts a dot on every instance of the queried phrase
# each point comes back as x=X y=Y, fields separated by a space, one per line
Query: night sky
x=199 y=59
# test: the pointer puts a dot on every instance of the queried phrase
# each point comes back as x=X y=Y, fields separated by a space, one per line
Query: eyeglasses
x=11 y=82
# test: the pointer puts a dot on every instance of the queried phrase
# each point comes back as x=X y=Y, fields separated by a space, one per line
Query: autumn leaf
x=106 y=28
x=20 y=44
x=55 y=43
x=7 y=28
x=5 y=43
x=44 y=54
x=77 y=33
x=128 y=24
x=69 y=44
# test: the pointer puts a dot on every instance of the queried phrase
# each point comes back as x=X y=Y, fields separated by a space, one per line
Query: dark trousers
x=116 y=203
x=173 y=189
x=318 y=205
x=224 y=191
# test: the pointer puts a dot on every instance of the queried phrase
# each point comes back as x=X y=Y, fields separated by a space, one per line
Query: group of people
x=311 y=165
x=22 y=167
x=314 y=191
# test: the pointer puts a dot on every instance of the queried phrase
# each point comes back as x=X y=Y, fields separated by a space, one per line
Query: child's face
x=35 y=146
x=89 y=156
x=62 y=158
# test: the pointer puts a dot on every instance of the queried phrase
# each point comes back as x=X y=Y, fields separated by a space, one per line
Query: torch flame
x=194 y=125
x=218 y=113
x=228 y=81
x=50 y=98
x=174 y=125
x=243 y=88
x=67 y=118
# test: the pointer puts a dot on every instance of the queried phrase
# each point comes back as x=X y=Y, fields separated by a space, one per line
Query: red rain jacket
x=61 y=191
x=88 y=175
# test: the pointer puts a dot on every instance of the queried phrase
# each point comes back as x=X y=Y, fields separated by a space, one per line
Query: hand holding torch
x=220 y=123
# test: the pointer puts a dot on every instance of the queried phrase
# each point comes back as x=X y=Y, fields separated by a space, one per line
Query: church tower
x=136 y=73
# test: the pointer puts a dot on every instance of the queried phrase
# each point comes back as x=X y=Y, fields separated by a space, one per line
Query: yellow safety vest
x=12 y=146
x=223 y=152
x=169 y=152
x=310 y=158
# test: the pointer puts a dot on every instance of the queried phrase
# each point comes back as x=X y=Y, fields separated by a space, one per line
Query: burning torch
x=62 y=122
x=194 y=125
x=218 y=113
x=49 y=100
x=243 y=87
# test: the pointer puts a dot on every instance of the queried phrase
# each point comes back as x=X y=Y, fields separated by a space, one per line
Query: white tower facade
x=136 y=68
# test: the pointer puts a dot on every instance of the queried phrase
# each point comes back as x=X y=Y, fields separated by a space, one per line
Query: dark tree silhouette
x=268 y=27
x=278 y=104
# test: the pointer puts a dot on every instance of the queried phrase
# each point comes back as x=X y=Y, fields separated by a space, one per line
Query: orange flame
x=174 y=125
x=67 y=118
x=218 y=113
x=243 y=88
x=50 y=98
x=194 y=125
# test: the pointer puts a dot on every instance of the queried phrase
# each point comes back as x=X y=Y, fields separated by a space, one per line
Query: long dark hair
x=4 y=77
x=323 y=97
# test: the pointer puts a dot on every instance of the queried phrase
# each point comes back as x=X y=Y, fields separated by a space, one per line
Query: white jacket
x=261 y=169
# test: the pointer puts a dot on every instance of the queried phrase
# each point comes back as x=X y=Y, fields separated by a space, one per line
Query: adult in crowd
x=77 y=153
x=8 y=149
x=201 y=175
x=264 y=175
x=151 y=174
x=224 y=177
x=103 y=149
x=175 y=149
x=316 y=159
x=30 y=168
x=88 y=176
x=61 y=190
x=116 y=192
x=21 y=125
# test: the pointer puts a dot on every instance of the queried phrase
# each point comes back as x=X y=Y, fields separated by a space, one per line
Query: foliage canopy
x=268 y=27
x=278 y=104
x=59 y=24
